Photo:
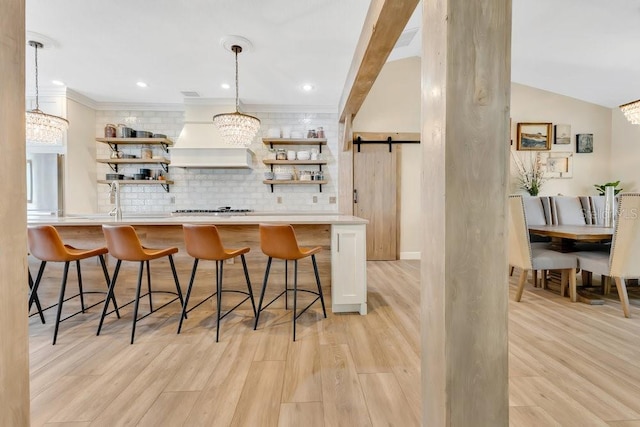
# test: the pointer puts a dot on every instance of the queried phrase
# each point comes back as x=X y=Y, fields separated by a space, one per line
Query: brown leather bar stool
x=124 y=245
x=46 y=245
x=279 y=241
x=203 y=242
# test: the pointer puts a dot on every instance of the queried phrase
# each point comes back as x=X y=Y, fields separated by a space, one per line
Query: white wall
x=534 y=105
x=80 y=161
x=625 y=152
x=393 y=105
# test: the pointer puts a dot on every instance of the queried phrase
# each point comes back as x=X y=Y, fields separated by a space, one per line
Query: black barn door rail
x=405 y=138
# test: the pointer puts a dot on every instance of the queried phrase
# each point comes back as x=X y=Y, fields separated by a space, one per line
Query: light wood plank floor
x=570 y=364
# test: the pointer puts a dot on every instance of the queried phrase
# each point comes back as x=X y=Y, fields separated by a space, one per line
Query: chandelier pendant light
x=41 y=127
x=632 y=111
x=237 y=128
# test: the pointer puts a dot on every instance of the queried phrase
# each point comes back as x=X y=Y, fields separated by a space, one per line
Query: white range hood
x=200 y=144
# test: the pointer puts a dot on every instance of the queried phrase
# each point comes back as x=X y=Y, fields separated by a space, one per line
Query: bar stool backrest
x=203 y=241
x=123 y=242
x=279 y=241
x=45 y=243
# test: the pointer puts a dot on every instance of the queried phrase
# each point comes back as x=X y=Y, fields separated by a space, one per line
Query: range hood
x=200 y=145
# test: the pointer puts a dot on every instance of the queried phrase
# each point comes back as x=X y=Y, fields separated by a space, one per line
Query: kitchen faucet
x=114 y=196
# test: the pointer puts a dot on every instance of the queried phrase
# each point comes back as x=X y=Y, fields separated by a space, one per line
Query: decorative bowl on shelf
x=304 y=155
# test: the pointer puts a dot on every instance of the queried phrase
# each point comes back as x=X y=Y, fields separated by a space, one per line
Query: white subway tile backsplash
x=212 y=188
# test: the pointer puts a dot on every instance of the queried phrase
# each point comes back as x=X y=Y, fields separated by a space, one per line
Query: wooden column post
x=466 y=67
x=14 y=343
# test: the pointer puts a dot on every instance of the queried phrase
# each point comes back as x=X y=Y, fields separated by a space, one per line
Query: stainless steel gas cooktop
x=224 y=210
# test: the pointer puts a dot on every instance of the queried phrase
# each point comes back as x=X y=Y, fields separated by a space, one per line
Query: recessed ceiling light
x=225 y=86
x=57 y=82
x=307 y=87
x=142 y=84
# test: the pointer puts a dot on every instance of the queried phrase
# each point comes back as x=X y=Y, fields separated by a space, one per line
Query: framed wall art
x=562 y=134
x=584 y=143
x=534 y=136
x=557 y=164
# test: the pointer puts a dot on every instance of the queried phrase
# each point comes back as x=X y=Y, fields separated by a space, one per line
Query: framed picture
x=562 y=134
x=557 y=164
x=584 y=143
x=534 y=136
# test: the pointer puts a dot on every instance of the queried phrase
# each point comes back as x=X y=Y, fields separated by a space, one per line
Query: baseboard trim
x=409 y=255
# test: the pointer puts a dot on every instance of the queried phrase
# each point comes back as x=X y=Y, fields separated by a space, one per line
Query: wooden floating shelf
x=137 y=181
x=296 y=141
x=135 y=161
x=294 y=162
x=137 y=141
x=286 y=181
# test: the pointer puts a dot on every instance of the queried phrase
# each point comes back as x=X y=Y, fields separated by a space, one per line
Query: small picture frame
x=584 y=143
x=534 y=136
x=557 y=164
x=562 y=134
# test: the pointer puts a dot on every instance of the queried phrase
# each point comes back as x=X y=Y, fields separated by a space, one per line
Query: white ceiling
x=586 y=49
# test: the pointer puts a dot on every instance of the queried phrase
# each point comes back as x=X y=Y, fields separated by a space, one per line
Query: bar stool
x=279 y=241
x=203 y=242
x=46 y=245
x=124 y=245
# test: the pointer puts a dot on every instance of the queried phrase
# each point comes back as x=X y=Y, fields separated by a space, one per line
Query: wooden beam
x=14 y=333
x=385 y=21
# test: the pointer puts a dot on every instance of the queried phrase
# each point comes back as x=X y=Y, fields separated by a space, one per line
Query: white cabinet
x=348 y=268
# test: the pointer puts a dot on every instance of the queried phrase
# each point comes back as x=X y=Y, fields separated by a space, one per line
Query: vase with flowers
x=530 y=173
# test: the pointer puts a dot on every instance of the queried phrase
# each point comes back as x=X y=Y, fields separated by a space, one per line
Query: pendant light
x=41 y=127
x=237 y=128
x=632 y=111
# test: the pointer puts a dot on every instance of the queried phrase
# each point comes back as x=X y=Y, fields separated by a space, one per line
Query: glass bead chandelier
x=41 y=127
x=632 y=111
x=237 y=128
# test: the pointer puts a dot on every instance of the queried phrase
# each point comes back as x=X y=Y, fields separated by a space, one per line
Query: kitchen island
x=342 y=263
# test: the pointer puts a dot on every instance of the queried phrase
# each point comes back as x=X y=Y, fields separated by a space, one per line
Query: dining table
x=564 y=239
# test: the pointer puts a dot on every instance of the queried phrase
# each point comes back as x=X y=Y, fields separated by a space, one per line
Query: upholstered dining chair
x=538 y=212
x=622 y=262
x=528 y=258
x=568 y=210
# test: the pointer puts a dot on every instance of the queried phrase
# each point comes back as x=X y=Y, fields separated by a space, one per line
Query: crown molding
x=138 y=106
x=81 y=99
x=272 y=108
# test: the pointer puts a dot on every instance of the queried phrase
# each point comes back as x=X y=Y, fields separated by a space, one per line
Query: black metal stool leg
x=315 y=270
x=109 y=295
x=218 y=296
x=61 y=300
x=286 y=285
x=175 y=279
x=246 y=276
x=295 y=295
x=80 y=285
x=186 y=298
x=137 y=301
x=264 y=287
x=36 y=285
x=149 y=285
x=37 y=300
x=108 y=281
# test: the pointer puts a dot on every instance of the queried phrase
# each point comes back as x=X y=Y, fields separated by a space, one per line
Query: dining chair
x=622 y=262
x=568 y=210
x=537 y=211
x=528 y=258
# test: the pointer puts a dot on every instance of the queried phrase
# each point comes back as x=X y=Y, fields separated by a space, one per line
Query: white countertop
x=161 y=219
